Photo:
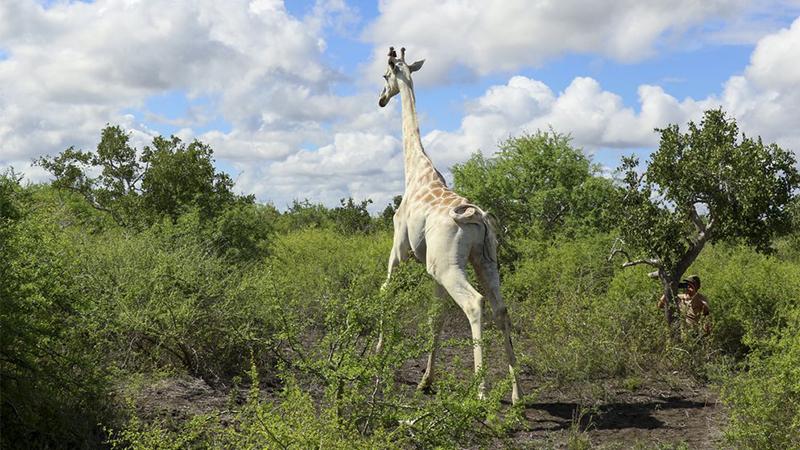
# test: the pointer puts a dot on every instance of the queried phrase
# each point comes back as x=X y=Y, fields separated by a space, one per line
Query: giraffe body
x=444 y=231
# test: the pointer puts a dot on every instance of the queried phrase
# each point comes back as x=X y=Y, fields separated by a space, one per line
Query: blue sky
x=286 y=92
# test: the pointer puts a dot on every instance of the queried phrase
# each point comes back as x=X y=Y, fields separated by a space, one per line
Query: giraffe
x=444 y=231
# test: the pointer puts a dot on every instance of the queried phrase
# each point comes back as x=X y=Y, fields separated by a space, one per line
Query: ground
x=660 y=411
x=652 y=415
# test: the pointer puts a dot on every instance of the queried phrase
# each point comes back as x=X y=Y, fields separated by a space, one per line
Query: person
x=692 y=305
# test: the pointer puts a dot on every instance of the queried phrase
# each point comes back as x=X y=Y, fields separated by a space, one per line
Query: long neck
x=416 y=160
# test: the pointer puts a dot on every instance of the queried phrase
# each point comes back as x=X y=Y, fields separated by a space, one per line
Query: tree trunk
x=669 y=284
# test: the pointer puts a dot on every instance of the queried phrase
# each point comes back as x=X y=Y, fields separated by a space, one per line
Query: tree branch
x=650 y=262
x=696 y=220
x=654 y=262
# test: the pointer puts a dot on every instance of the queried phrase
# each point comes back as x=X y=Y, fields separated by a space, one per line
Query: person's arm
x=662 y=301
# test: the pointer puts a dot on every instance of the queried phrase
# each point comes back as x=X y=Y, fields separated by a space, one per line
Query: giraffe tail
x=469 y=213
x=489 y=237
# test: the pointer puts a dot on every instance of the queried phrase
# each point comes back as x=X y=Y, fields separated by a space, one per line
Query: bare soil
x=660 y=411
x=653 y=415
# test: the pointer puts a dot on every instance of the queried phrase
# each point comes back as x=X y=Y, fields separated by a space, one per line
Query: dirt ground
x=664 y=412
x=651 y=416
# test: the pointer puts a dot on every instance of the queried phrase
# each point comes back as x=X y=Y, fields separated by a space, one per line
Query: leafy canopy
x=168 y=179
x=708 y=184
x=537 y=185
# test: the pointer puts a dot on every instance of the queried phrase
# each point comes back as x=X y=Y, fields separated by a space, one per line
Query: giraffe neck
x=417 y=162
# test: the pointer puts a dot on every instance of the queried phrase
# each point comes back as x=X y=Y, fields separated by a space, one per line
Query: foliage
x=160 y=298
x=168 y=178
x=578 y=319
x=704 y=186
x=179 y=176
x=352 y=217
x=386 y=219
x=764 y=400
x=53 y=383
x=537 y=184
x=212 y=285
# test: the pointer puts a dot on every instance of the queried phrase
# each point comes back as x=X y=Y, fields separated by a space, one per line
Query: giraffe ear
x=416 y=66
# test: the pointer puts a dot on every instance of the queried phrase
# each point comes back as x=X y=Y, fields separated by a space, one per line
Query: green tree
x=703 y=186
x=352 y=217
x=116 y=189
x=304 y=214
x=168 y=179
x=180 y=176
x=386 y=218
x=537 y=184
x=53 y=385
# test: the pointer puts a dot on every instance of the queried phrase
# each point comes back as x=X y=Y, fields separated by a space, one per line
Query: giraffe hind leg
x=490 y=280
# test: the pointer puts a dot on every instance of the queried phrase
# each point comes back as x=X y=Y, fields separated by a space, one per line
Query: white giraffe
x=444 y=231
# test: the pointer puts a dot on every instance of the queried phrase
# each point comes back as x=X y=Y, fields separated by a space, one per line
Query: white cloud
x=73 y=67
x=357 y=164
x=595 y=118
x=765 y=100
x=503 y=35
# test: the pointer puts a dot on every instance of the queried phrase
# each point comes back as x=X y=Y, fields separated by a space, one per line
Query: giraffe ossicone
x=444 y=231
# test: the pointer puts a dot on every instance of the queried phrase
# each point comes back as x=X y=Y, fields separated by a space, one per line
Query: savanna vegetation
x=133 y=269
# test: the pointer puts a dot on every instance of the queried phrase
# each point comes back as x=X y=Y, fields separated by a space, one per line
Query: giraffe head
x=397 y=71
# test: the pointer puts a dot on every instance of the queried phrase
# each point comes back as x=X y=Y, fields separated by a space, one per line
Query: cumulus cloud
x=358 y=164
x=68 y=69
x=504 y=35
x=765 y=100
x=595 y=118
x=72 y=67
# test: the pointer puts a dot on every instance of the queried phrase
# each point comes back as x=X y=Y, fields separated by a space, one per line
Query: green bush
x=749 y=294
x=764 y=399
x=54 y=387
x=160 y=299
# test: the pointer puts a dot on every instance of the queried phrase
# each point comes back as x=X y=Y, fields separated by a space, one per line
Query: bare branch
x=617 y=249
x=649 y=262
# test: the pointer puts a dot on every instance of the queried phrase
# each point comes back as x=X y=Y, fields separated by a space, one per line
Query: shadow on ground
x=611 y=416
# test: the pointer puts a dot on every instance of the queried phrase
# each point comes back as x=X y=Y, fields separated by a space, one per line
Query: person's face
x=690 y=289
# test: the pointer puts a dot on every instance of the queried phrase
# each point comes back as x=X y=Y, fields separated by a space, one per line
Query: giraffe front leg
x=394 y=261
x=469 y=300
x=435 y=321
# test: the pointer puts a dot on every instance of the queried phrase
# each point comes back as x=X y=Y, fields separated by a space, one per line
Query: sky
x=286 y=92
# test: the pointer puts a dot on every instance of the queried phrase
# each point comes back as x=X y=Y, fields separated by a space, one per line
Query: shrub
x=54 y=388
x=764 y=400
x=159 y=299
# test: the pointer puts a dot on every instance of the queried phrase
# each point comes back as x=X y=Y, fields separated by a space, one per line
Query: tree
x=169 y=178
x=537 y=184
x=703 y=186
x=352 y=217
x=386 y=219
x=115 y=190
x=180 y=176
